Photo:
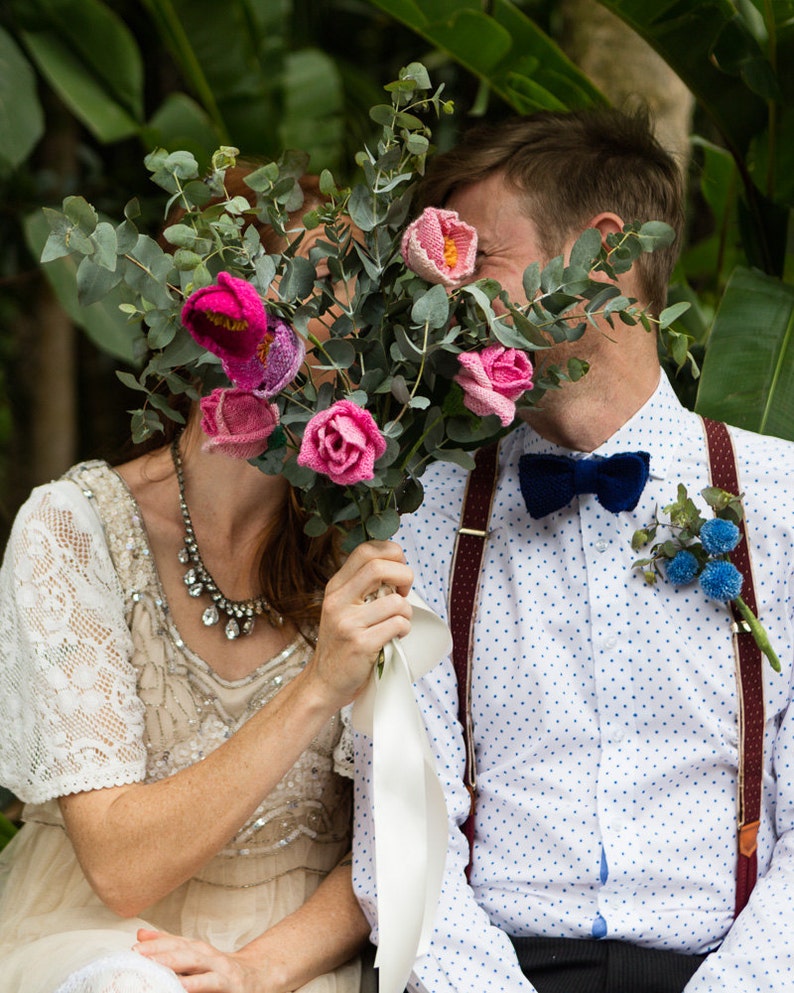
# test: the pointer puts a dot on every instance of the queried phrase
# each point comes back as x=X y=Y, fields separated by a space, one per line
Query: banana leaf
x=748 y=372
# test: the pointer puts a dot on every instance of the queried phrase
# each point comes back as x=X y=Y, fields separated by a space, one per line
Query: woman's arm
x=327 y=931
x=137 y=843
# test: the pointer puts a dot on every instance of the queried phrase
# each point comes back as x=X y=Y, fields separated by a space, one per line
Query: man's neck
x=582 y=416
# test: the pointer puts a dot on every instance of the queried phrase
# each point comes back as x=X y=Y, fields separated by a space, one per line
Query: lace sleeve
x=344 y=753
x=69 y=710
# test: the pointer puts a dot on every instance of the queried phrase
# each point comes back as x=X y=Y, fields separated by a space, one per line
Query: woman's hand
x=202 y=968
x=358 y=618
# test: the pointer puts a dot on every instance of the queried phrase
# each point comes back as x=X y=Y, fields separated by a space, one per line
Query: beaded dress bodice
x=189 y=710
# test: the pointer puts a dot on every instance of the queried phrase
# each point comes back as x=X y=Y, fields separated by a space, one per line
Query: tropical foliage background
x=87 y=87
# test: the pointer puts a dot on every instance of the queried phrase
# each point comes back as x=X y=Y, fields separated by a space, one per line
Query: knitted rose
x=274 y=364
x=493 y=379
x=343 y=443
x=237 y=422
x=228 y=318
x=440 y=247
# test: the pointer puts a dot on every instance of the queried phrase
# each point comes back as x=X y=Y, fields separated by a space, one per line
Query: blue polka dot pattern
x=605 y=720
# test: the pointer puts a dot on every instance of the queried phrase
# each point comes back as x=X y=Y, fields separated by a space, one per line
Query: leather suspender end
x=748 y=838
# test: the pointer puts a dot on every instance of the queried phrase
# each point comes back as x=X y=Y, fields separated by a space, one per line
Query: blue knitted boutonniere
x=699 y=549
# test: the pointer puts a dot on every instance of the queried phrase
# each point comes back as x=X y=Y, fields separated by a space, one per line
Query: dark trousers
x=570 y=965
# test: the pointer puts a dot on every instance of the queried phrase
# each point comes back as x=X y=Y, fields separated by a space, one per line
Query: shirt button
x=610 y=642
x=601 y=545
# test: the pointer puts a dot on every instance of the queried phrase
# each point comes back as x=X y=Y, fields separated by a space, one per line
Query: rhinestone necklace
x=240 y=614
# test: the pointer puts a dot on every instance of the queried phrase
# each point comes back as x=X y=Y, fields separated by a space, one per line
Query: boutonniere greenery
x=362 y=349
x=698 y=549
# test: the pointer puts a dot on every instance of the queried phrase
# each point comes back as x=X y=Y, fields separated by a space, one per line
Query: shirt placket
x=604 y=536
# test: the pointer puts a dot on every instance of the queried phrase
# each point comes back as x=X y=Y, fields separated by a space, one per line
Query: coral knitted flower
x=342 y=442
x=274 y=364
x=493 y=379
x=721 y=580
x=440 y=247
x=227 y=318
x=237 y=422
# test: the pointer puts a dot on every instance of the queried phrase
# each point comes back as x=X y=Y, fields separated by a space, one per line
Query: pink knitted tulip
x=440 y=247
x=273 y=365
x=237 y=422
x=493 y=379
x=228 y=318
x=343 y=443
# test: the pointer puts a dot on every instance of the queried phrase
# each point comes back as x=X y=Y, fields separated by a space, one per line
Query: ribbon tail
x=410 y=825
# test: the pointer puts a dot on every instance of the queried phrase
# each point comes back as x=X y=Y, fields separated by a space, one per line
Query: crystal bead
x=210 y=616
x=232 y=629
x=190 y=577
x=248 y=625
x=196 y=589
x=183 y=556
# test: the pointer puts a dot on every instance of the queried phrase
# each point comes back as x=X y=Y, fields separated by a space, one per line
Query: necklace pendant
x=248 y=625
x=183 y=555
x=196 y=589
x=232 y=629
x=190 y=577
x=210 y=616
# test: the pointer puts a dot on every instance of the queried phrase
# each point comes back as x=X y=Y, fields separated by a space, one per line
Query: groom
x=605 y=711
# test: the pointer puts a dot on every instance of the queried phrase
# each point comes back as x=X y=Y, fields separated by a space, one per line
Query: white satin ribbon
x=409 y=809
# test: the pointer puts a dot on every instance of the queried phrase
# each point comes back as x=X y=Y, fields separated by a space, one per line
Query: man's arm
x=756 y=954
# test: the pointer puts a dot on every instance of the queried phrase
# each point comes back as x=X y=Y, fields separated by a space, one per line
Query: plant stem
x=758 y=633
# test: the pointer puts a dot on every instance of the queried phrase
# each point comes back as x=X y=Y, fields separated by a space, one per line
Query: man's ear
x=605 y=223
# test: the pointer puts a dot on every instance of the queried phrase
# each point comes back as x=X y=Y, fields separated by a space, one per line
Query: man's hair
x=570 y=167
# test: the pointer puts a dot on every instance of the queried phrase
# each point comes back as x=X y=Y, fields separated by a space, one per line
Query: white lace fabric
x=100 y=690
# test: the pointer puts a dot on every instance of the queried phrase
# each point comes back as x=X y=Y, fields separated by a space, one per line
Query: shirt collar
x=653 y=429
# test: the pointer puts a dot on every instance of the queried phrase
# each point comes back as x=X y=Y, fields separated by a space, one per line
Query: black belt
x=581 y=965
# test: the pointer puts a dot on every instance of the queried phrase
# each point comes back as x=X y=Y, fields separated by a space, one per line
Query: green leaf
x=94 y=282
x=21 y=116
x=748 y=378
x=432 y=308
x=382 y=526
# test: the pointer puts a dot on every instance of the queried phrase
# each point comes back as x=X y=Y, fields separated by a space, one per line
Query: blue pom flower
x=721 y=581
x=719 y=536
x=682 y=568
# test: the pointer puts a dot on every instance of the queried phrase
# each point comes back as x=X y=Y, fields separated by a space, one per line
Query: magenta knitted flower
x=237 y=422
x=493 y=379
x=440 y=247
x=343 y=443
x=227 y=318
x=274 y=364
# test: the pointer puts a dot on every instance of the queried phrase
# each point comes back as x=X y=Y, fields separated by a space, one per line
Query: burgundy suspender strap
x=749 y=677
x=464 y=583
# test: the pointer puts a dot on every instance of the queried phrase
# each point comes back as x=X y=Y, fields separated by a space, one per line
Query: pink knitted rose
x=440 y=247
x=493 y=379
x=274 y=364
x=237 y=422
x=343 y=443
x=228 y=318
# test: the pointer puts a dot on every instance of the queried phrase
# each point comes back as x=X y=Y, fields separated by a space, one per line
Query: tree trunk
x=627 y=71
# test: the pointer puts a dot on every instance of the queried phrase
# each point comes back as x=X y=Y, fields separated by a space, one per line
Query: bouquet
x=359 y=352
x=411 y=362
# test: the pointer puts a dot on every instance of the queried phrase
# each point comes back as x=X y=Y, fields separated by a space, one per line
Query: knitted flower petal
x=719 y=536
x=440 y=247
x=479 y=394
x=275 y=363
x=682 y=568
x=237 y=422
x=721 y=581
x=228 y=318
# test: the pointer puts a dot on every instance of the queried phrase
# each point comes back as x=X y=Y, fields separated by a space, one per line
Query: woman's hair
x=570 y=167
x=293 y=567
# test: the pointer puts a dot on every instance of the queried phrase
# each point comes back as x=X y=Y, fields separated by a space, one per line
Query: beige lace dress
x=97 y=689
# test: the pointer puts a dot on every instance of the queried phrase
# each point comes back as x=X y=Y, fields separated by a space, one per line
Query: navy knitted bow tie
x=549 y=482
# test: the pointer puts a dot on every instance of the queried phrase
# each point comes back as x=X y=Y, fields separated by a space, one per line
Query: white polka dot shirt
x=605 y=721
